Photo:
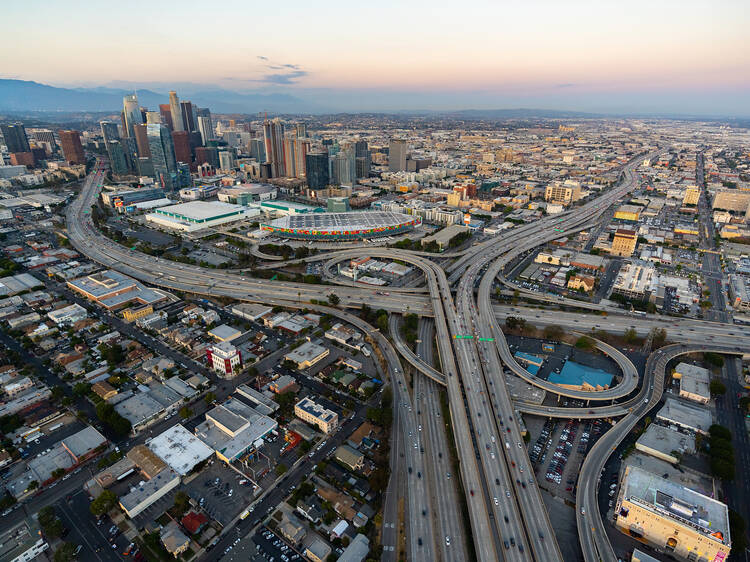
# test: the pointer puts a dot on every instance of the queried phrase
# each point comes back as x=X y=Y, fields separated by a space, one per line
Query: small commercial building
x=224 y=333
x=315 y=414
x=624 y=243
x=686 y=524
x=68 y=315
x=224 y=358
x=233 y=429
x=685 y=415
x=146 y=493
x=665 y=443
x=83 y=443
x=104 y=390
x=629 y=213
x=443 y=237
x=694 y=382
x=22 y=541
x=307 y=354
x=357 y=550
x=174 y=540
x=180 y=449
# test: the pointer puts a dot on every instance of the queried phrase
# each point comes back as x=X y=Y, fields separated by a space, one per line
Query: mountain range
x=23 y=95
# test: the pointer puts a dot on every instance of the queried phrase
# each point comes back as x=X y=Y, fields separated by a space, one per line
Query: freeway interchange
x=505 y=508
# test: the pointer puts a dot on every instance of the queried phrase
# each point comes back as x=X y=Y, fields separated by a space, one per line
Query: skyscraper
x=189 y=116
x=166 y=115
x=302 y=130
x=117 y=158
x=342 y=168
x=71 y=146
x=362 y=155
x=141 y=140
x=162 y=155
x=110 y=131
x=153 y=117
x=273 y=136
x=397 y=156
x=205 y=125
x=317 y=170
x=15 y=137
x=44 y=136
x=176 y=111
x=182 y=152
x=295 y=150
x=131 y=114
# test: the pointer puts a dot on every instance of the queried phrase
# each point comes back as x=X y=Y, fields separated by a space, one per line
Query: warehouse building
x=341 y=226
x=684 y=415
x=686 y=524
x=113 y=290
x=694 y=382
x=307 y=354
x=198 y=215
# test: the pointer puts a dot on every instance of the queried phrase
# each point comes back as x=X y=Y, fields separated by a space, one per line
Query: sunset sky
x=656 y=55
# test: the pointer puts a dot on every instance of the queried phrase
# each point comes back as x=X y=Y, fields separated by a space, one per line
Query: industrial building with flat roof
x=146 y=493
x=687 y=524
x=233 y=429
x=113 y=290
x=341 y=226
x=313 y=413
x=665 y=443
x=581 y=377
x=22 y=541
x=685 y=415
x=307 y=354
x=180 y=449
x=694 y=382
x=198 y=215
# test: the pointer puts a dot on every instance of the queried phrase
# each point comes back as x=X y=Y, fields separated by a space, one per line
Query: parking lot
x=272 y=547
x=219 y=492
x=558 y=453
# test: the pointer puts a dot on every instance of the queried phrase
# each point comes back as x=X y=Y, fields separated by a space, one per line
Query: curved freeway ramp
x=409 y=355
x=591 y=530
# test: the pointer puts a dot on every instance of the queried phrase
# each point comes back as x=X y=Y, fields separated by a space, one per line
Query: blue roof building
x=580 y=377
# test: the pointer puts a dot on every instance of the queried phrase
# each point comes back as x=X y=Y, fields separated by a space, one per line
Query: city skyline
x=586 y=57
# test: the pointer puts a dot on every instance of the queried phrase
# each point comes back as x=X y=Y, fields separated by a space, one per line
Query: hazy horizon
x=670 y=57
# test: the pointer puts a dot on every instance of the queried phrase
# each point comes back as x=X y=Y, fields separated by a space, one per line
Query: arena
x=342 y=226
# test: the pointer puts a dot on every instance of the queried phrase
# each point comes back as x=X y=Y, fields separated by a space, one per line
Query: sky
x=586 y=55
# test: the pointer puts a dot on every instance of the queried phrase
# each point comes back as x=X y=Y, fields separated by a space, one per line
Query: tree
x=585 y=342
x=209 y=397
x=181 y=502
x=713 y=359
x=101 y=505
x=717 y=388
x=737 y=528
x=658 y=336
x=33 y=485
x=333 y=299
x=631 y=335
x=185 y=412
x=65 y=552
x=553 y=332
x=281 y=468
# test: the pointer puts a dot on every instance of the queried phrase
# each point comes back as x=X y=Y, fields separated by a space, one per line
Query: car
x=419 y=541
x=447 y=540
x=506 y=545
x=496 y=501
x=507 y=493
x=471 y=492
x=512 y=541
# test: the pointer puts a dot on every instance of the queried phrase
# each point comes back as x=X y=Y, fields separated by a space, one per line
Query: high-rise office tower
x=131 y=114
x=207 y=155
x=205 y=125
x=317 y=170
x=15 y=137
x=45 y=136
x=257 y=149
x=302 y=130
x=72 y=147
x=176 y=111
x=226 y=160
x=342 y=168
x=130 y=148
x=141 y=140
x=189 y=117
x=273 y=136
x=397 y=155
x=362 y=155
x=117 y=158
x=110 y=131
x=182 y=151
x=162 y=155
x=166 y=115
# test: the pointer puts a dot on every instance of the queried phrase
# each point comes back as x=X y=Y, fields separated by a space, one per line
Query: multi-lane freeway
x=507 y=515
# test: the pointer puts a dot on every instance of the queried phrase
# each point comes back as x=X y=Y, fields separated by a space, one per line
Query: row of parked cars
x=542 y=442
x=562 y=452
